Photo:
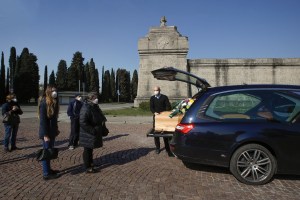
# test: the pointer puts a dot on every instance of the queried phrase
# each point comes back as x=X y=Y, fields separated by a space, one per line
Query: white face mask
x=95 y=101
x=14 y=100
x=156 y=93
x=79 y=98
x=54 y=94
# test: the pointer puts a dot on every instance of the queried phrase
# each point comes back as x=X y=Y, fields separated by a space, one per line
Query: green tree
x=52 y=78
x=26 y=72
x=106 y=88
x=134 y=84
x=124 y=85
x=45 y=78
x=12 y=67
x=113 y=85
x=87 y=77
x=75 y=72
x=93 y=77
x=7 y=82
x=2 y=80
x=62 y=73
x=97 y=81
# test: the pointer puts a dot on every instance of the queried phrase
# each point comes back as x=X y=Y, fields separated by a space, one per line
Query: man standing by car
x=74 y=112
x=158 y=104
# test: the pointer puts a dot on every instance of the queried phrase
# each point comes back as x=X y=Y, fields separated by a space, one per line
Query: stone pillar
x=163 y=46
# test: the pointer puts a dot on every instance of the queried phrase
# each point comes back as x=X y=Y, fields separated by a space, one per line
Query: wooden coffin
x=164 y=123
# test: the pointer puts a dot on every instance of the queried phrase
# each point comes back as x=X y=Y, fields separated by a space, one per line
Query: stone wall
x=219 y=72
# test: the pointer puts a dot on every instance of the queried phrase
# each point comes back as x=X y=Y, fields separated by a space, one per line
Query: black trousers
x=87 y=157
x=166 y=141
x=74 y=135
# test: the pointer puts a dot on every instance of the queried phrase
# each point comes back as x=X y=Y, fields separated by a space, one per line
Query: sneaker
x=157 y=151
x=51 y=176
x=71 y=147
x=170 y=154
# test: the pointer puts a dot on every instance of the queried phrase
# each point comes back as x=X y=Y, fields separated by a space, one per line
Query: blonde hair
x=52 y=105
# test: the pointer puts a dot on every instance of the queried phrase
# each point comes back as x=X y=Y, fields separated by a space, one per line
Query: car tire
x=253 y=164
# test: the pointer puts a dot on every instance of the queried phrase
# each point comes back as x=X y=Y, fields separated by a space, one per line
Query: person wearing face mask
x=48 y=109
x=74 y=112
x=158 y=104
x=11 y=111
x=91 y=121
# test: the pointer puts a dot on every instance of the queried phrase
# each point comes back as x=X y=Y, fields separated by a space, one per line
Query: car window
x=284 y=106
x=233 y=106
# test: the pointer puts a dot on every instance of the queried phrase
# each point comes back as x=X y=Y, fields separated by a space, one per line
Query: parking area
x=129 y=169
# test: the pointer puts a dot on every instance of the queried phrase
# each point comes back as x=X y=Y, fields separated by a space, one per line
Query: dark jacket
x=91 y=122
x=14 y=117
x=74 y=109
x=159 y=104
x=48 y=126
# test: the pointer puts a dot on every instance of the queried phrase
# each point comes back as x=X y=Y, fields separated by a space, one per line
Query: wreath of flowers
x=181 y=107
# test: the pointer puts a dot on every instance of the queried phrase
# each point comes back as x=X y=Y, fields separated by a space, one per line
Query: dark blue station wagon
x=254 y=130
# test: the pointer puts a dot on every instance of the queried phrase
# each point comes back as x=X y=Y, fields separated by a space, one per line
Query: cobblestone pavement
x=129 y=169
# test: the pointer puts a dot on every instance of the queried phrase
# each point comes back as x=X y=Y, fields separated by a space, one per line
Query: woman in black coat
x=91 y=123
x=48 y=110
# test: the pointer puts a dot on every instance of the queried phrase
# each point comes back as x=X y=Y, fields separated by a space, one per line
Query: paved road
x=129 y=169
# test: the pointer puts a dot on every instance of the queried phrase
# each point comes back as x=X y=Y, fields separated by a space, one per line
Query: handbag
x=47 y=154
x=105 y=130
x=6 y=118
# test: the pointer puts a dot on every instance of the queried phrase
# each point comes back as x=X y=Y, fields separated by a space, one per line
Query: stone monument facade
x=163 y=46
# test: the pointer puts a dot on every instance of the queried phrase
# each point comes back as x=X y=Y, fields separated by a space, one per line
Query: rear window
x=267 y=105
x=232 y=106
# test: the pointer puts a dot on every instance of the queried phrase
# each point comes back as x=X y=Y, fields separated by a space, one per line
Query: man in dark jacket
x=74 y=112
x=158 y=104
x=92 y=122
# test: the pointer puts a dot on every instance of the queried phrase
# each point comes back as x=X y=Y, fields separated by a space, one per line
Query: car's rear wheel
x=253 y=164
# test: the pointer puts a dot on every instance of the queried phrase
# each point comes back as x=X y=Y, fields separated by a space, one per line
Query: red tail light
x=184 y=128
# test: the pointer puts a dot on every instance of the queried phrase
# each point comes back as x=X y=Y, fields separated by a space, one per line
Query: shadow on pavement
x=206 y=168
x=114 y=137
x=115 y=158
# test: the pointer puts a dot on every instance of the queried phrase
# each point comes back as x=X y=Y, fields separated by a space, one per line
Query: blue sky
x=108 y=30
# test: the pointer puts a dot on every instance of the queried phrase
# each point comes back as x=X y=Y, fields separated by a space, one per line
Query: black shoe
x=54 y=171
x=90 y=171
x=14 y=148
x=170 y=154
x=157 y=151
x=51 y=176
x=6 y=150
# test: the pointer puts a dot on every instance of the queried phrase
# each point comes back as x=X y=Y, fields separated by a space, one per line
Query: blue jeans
x=46 y=163
x=10 y=135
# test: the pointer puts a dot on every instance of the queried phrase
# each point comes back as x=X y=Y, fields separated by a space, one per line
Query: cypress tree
x=102 y=80
x=26 y=72
x=45 y=78
x=134 y=84
x=106 y=88
x=62 y=73
x=113 y=85
x=97 y=81
x=12 y=67
x=2 y=80
x=7 y=82
x=75 y=72
x=87 y=77
x=52 y=78
x=93 y=77
x=124 y=85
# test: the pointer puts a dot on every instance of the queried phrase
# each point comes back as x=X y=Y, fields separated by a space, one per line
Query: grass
x=128 y=112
